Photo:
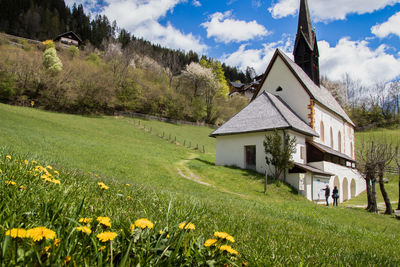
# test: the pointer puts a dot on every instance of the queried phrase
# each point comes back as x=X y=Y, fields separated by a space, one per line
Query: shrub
x=73 y=51
x=51 y=61
x=7 y=86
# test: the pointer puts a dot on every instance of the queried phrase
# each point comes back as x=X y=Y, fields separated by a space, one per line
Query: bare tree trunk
x=374 y=206
x=369 y=193
x=398 y=170
x=385 y=196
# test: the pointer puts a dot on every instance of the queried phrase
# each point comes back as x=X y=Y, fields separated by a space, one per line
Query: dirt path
x=186 y=173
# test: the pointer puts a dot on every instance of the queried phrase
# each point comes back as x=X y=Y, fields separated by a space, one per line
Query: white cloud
x=392 y=26
x=323 y=10
x=225 y=29
x=196 y=3
x=256 y=3
x=359 y=61
x=256 y=58
x=140 y=17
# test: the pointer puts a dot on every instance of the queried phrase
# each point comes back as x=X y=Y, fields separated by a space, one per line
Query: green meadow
x=171 y=183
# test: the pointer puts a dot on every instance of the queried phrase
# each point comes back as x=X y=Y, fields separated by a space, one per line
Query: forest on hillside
x=43 y=20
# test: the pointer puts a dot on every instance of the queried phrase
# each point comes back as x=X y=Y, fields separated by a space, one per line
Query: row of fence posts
x=169 y=137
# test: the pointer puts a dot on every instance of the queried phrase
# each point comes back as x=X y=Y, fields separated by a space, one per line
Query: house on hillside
x=291 y=99
x=68 y=38
x=246 y=90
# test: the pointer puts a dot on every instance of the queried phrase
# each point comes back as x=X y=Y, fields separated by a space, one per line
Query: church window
x=322 y=131
x=279 y=89
x=302 y=153
x=331 y=138
x=339 y=141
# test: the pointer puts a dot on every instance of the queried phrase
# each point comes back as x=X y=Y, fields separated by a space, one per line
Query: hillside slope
x=279 y=228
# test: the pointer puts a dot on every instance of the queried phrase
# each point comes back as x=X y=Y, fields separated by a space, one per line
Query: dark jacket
x=335 y=193
x=327 y=191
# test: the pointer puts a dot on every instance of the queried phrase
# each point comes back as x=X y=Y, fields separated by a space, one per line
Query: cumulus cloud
x=392 y=26
x=141 y=17
x=196 y=3
x=256 y=58
x=225 y=29
x=323 y=10
x=359 y=61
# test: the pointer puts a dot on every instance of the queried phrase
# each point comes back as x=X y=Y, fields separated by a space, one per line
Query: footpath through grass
x=279 y=228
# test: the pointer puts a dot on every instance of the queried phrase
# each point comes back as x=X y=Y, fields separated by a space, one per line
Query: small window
x=340 y=141
x=279 y=89
x=302 y=153
x=322 y=131
x=331 y=138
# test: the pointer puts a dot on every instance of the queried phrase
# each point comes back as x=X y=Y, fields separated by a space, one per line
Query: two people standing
x=335 y=195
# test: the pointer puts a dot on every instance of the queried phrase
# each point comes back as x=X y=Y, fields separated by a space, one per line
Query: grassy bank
x=279 y=228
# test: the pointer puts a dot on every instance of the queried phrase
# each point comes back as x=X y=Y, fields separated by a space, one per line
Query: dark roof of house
x=318 y=93
x=309 y=168
x=237 y=85
x=266 y=112
x=70 y=35
x=327 y=149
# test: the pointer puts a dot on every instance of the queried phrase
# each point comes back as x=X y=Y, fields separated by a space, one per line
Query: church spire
x=305 y=50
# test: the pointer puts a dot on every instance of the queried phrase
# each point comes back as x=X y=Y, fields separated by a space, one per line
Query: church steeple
x=305 y=50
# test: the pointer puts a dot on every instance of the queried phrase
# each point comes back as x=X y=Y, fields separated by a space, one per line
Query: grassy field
x=279 y=228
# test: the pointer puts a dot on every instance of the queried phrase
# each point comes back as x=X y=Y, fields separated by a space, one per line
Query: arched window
x=339 y=141
x=322 y=131
x=351 y=150
x=331 y=138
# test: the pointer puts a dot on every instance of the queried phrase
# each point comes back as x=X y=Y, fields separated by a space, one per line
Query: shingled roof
x=266 y=112
x=318 y=93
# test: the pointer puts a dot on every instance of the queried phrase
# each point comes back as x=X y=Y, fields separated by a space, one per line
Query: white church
x=291 y=99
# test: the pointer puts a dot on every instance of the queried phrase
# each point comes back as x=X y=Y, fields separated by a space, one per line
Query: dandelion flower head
x=223 y=235
x=144 y=223
x=16 y=232
x=84 y=229
x=39 y=233
x=210 y=242
x=106 y=236
x=187 y=226
x=228 y=249
x=104 y=221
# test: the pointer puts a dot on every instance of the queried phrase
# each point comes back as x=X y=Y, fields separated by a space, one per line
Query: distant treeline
x=42 y=20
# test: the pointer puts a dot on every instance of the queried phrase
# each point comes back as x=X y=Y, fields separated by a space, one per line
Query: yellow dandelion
x=55 y=181
x=34 y=162
x=228 y=249
x=84 y=229
x=210 y=242
x=103 y=186
x=16 y=232
x=56 y=242
x=102 y=248
x=223 y=235
x=144 y=223
x=26 y=162
x=49 y=167
x=186 y=226
x=85 y=220
x=129 y=197
x=67 y=260
x=106 y=236
x=104 y=221
x=56 y=173
x=8 y=157
x=132 y=227
x=39 y=233
x=21 y=187
x=10 y=183
x=1 y=171
x=128 y=185
x=46 y=249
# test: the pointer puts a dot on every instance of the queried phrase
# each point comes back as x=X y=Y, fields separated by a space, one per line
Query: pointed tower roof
x=305 y=26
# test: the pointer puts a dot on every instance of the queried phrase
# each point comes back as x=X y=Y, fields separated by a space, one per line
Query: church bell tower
x=305 y=50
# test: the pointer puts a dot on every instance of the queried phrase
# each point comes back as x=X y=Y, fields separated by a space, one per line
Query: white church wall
x=300 y=144
x=231 y=149
x=338 y=124
x=292 y=91
x=342 y=173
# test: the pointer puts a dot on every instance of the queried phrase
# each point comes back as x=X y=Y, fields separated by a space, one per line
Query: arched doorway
x=345 y=189
x=353 y=188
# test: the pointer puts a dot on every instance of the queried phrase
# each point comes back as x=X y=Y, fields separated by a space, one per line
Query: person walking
x=335 y=195
x=327 y=194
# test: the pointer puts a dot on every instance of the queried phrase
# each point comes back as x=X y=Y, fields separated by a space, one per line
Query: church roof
x=327 y=149
x=266 y=112
x=318 y=93
x=312 y=169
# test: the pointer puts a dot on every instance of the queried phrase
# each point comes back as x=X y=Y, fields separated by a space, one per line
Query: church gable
x=280 y=80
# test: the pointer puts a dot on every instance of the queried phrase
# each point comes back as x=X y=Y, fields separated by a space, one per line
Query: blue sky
x=358 y=37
